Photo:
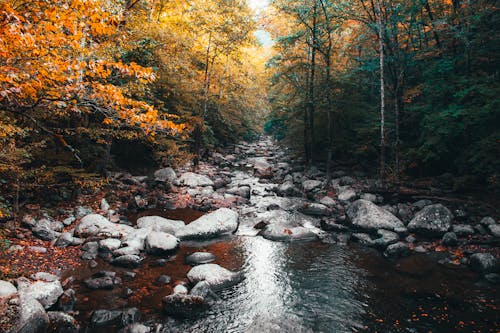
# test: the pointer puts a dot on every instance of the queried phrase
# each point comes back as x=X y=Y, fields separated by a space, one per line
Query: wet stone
x=199 y=258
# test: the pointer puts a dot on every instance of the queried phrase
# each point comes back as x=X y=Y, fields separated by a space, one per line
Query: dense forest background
x=399 y=88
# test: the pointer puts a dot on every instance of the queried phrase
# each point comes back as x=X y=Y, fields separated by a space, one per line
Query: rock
x=130 y=316
x=67 y=300
x=346 y=180
x=60 y=322
x=83 y=211
x=202 y=289
x=180 y=289
x=165 y=175
x=332 y=225
x=346 y=194
x=288 y=189
x=368 y=216
x=492 y=278
x=486 y=221
x=194 y=180
x=98 y=225
x=463 y=230
x=136 y=239
x=405 y=212
x=104 y=204
x=368 y=197
x=433 y=220
x=199 y=258
x=483 y=263
x=158 y=223
x=422 y=203
x=216 y=276
x=32 y=318
x=135 y=328
x=386 y=238
x=64 y=240
x=327 y=201
x=183 y=305
x=159 y=243
x=44 y=276
x=69 y=220
x=105 y=317
x=7 y=289
x=46 y=293
x=449 y=239
x=220 y=222
x=315 y=209
x=163 y=279
x=38 y=249
x=397 y=250
x=363 y=239
x=104 y=282
x=128 y=260
x=494 y=229
x=282 y=233
x=310 y=185
x=46 y=229
x=109 y=244
x=243 y=191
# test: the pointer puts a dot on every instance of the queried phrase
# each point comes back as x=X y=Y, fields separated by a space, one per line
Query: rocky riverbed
x=250 y=233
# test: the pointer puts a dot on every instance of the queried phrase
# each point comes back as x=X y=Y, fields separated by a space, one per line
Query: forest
x=134 y=131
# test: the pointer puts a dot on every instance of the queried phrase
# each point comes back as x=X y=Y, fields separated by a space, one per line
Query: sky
x=259 y=6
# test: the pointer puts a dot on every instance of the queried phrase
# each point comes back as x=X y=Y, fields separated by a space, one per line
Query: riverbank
x=107 y=267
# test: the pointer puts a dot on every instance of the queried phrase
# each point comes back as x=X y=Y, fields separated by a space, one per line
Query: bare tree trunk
x=382 y=89
x=311 y=101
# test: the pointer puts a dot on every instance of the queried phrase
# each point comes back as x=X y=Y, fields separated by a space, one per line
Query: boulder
x=135 y=328
x=449 y=239
x=433 y=220
x=104 y=205
x=494 y=229
x=220 y=222
x=44 y=276
x=64 y=240
x=397 y=250
x=483 y=263
x=283 y=233
x=362 y=238
x=288 y=189
x=346 y=193
x=32 y=317
x=165 y=175
x=183 y=305
x=199 y=258
x=98 y=225
x=7 y=289
x=310 y=184
x=194 y=180
x=327 y=201
x=46 y=293
x=366 y=215
x=386 y=238
x=243 y=191
x=216 y=276
x=315 y=209
x=486 y=221
x=105 y=318
x=109 y=244
x=158 y=223
x=463 y=230
x=128 y=260
x=368 y=197
x=60 y=322
x=159 y=243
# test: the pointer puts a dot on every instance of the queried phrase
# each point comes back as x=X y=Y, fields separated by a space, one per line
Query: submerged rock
x=220 y=222
x=128 y=260
x=483 y=263
x=60 y=322
x=183 y=305
x=368 y=216
x=199 y=258
x=397 y=250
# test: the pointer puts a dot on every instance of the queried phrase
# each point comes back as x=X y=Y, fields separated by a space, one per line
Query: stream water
x=309 y=287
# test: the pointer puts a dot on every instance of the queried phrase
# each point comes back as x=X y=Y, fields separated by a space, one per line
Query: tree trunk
x=382 y=89
x=311 y=101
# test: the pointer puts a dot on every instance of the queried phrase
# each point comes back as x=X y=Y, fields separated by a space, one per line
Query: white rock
x=98 y=225
x=217 y=223
x=7 y=289
x=368 y=216
x=158 y=223
x=216 y=276
x=194 y=180
x=158 y=242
